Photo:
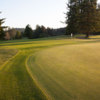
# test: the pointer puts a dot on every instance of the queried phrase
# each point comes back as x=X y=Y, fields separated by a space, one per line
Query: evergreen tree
x=88 y=17
x=43 y=31
x=98 y=10
x=2 y=33
x=37 y=32
x=72 y=17
x=83 y=17
x=28 y=32
x=49 y=31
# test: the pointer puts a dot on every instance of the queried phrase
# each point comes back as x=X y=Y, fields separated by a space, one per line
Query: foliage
x=72 y=17
x=2 y=33
x=28 y=32
x=12 y=33
x=7 y=36
x=41 y=31
x=18 y=35
x=88 y=21
x=83 y=17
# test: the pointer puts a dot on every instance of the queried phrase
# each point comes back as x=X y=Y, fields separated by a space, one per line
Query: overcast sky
x=19 y=13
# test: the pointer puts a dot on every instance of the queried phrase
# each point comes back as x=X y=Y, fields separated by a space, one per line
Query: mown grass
x=68 y=72
x=15 y=82
x=19 y=81
x=5 y=54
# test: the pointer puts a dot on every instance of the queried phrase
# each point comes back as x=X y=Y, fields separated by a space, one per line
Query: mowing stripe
x=35 y=81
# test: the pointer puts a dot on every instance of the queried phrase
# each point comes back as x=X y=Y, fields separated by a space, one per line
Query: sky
x=19 y=13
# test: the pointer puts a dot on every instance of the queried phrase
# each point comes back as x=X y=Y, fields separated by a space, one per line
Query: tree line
x=17 y=33
x=42 y=31
x=7 y=33
x=83 y=17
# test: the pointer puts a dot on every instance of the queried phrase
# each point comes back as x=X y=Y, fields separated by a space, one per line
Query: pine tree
x=28 y=32
x=2 y=33
x=98 y=10
x=72 y=17
x=88 y=17
x=83 y=17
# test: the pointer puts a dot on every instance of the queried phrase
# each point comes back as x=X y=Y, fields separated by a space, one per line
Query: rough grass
x=19 y=81
x=5 y=54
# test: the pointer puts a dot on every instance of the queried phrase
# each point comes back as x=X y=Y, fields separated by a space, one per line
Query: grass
x=39 y=69
x=5 y=54
x=16 y=84
x=68 y=72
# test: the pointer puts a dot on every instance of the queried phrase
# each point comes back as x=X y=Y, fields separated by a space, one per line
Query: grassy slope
x=15 y=81
x=68 y=72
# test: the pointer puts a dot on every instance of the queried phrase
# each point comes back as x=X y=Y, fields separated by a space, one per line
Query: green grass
x=15 y=82
x=5 y=54
x=68 y=72
x=39 y=69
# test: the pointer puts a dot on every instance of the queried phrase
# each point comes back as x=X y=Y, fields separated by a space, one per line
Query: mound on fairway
x=68 y=72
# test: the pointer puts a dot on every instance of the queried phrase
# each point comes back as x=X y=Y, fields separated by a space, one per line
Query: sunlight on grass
x=5 y=54
x=68 y=72
x=41 y=83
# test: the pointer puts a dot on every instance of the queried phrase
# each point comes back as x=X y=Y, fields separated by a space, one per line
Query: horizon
x=49 y=13
x=33 y=12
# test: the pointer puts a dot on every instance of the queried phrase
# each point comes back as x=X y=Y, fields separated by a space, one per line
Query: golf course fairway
x=50 y=69
x=68 y=72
